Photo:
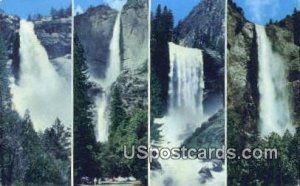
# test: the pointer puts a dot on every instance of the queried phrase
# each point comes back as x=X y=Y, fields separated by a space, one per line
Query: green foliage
x=254 y=172
x=84 y=136
x=117 y=112
x=161 y=33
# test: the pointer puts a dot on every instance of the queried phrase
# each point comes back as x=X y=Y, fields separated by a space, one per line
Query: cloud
x=262 y=8
x=78 y=10
x=116 y=4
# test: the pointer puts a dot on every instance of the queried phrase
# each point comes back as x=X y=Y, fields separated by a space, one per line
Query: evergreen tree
x=161 y=33
x=117 y=112
x=84 y=136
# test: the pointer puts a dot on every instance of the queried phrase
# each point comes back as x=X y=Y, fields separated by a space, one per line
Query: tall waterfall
x=40 y=89
x=111 y=75
x=185 y=92
x=185 y=114
x=274 y=110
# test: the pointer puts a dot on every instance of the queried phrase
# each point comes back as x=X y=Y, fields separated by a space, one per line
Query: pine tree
x=117 y=112
x=84 y=136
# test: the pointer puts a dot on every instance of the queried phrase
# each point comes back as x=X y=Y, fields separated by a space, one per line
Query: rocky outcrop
x=209 y=135
x=9 y=34
x=55 y=35
x=133 y=88
x=94 y=29
x=204 y=28
x=134 y=46
x=135 y=34
x=242 y=70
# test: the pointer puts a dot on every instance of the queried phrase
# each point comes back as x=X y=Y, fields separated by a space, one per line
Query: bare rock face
x=135 y=34
x=94 y=29
x=243 y=96
x=205 y=26
x=9 y=34
x=134 y=46
x=9 y=26
x=55 y=35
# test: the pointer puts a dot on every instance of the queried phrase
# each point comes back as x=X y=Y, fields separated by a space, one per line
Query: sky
x=23 y=8
x=180 y=8
x=261 y=11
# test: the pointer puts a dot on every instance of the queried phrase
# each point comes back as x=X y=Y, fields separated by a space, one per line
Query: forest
x=105 y=160
x=28 y=157
x=254 y=172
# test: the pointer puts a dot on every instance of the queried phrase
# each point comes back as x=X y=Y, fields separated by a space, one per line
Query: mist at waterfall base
x=185 y=114
x=40 y=89
x=274 y=108
x=112 y=72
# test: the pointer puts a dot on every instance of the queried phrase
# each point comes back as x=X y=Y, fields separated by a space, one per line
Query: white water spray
x=185 y=114
x=111 y=75
x=40 y=89
x=274 y=110
x=185 y=93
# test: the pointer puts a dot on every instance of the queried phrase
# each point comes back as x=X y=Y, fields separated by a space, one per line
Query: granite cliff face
x=204 y=28
x=55 y=35
x=9 y=34
x=242 y=70
x=135 y=34
x=94 y=29
x=243 y=95
x=134 y=46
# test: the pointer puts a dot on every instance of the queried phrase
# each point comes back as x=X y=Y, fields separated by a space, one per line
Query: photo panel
x=35 y=92
x=187 y=92
x=111 y=92
x=263 y=92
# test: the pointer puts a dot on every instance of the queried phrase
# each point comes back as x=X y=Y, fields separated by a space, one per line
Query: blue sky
x=23 y=8
x=180 y=8
x=261 y=11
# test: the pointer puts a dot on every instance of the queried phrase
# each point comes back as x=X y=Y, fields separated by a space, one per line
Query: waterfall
x=185 y=92
x=274 y=109
x=111 y=75
x=185 y=114
x=40 y=88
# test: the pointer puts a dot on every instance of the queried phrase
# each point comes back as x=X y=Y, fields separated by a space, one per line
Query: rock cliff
x=94 y=29
x=9 y=34
x=55 y=35
x=135 y=34
x=204 y=28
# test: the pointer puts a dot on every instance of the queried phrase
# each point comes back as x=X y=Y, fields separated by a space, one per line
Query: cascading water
x=111 y=75
x=274 y=110
x=185 y=114
x=40 y=88
x=185 y=93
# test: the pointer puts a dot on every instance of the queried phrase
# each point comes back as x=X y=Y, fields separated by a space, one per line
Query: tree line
x=285 y=170
x=54 y=13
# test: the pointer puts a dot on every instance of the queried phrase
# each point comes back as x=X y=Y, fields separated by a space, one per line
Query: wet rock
x=205 y=175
